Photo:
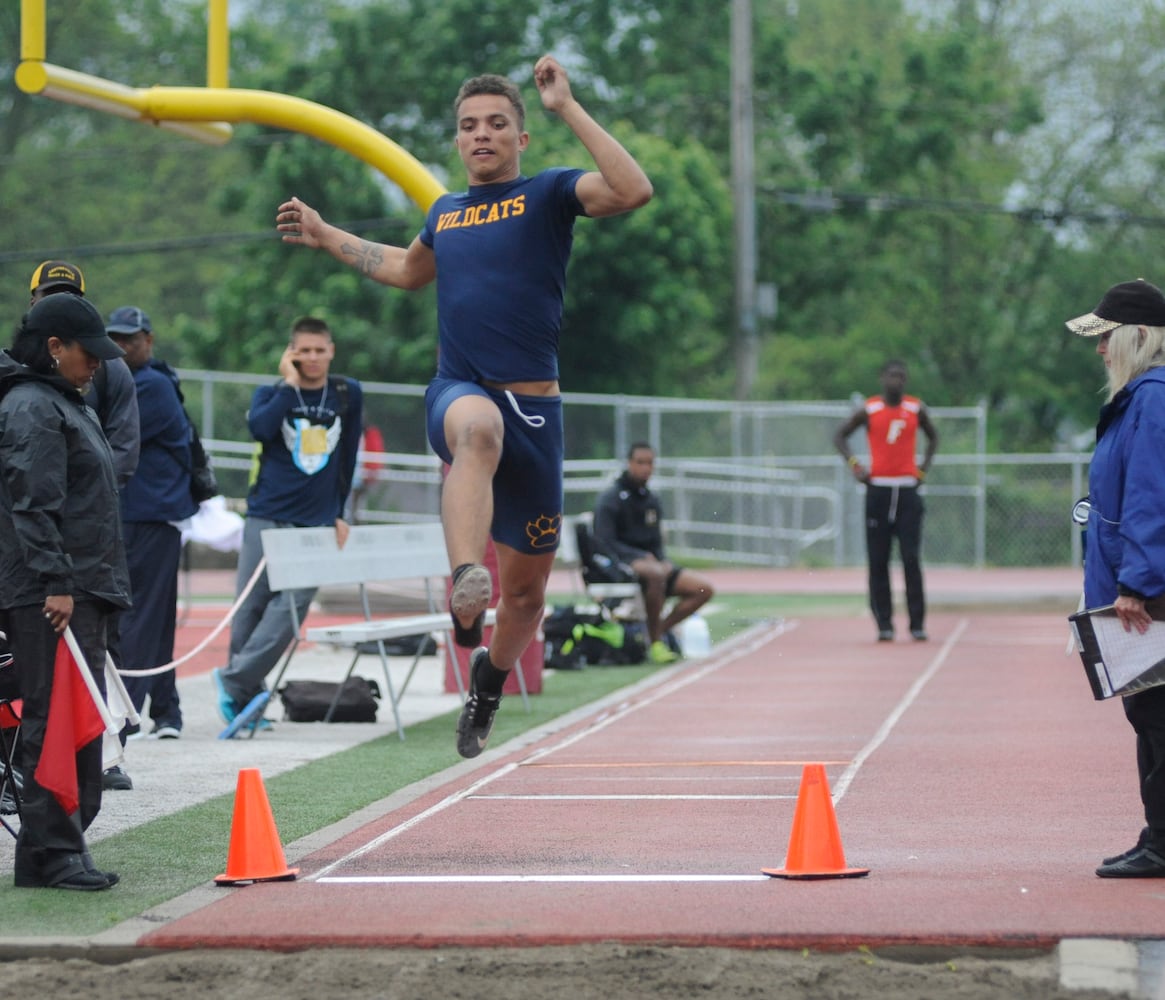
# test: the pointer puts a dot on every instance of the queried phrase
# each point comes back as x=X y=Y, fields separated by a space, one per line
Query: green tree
x=945 y=182
x=133 y=206
x=897 y=136
x=635 y=283
x=645 y=309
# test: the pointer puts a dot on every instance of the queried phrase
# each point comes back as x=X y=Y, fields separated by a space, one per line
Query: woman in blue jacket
x=1124 y=561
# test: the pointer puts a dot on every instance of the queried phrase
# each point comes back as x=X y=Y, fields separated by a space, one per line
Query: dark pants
x=153 y=551
x=50 y=839
x=895 y=512
x=262 y=629
x=1145 y=710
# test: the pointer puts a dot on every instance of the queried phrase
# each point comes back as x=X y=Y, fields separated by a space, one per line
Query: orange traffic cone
x=815 y=843
x=255 y=853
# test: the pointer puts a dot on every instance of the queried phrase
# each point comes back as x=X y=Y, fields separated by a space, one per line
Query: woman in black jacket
x=61 y=561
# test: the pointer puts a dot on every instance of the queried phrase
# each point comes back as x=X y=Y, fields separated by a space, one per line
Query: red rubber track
x=973 y=774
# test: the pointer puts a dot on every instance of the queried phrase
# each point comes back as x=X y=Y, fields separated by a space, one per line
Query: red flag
x=73 y=721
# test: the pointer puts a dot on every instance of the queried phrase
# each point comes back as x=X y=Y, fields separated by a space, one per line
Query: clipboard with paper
x=1119 y=662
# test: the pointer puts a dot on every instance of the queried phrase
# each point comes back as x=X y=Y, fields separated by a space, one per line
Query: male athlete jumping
x=498 y=252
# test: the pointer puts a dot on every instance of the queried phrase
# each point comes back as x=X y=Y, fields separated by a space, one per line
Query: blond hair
x=1132 y=351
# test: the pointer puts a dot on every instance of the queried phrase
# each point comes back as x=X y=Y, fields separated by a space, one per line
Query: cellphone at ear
x=298 y=366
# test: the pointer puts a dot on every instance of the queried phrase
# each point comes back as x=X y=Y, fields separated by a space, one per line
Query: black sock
x=490 y=680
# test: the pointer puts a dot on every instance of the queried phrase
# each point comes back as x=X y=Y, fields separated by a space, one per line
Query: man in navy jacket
x=154 y=502
x=308 y=426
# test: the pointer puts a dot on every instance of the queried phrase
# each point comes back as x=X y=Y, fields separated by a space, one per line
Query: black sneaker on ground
x=1143 y=863
x=1142 y=840
x=111 y=877
x=114 y=779
x=885 y=635
x=918 y=634
x=477 y=717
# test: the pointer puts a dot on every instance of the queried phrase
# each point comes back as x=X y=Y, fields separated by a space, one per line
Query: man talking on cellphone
x=308 y=427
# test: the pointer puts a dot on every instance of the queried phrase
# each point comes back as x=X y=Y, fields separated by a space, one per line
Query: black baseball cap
x=127 y=320
x=1131 y=303
x=71 y=317
x=58 y=274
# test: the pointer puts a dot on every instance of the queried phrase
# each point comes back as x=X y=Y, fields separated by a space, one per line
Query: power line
x=179 y=243
x=823 y=201
x=829 y=201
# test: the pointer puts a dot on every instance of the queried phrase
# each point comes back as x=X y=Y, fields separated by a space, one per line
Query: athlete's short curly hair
x=491 y=83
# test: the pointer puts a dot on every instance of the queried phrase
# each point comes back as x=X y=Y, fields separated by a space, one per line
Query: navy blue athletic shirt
x=501 y=252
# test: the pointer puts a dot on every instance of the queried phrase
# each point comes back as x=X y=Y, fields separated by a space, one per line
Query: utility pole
x=744 y=198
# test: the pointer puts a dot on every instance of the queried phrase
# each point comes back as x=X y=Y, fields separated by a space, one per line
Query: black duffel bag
x=309 y=701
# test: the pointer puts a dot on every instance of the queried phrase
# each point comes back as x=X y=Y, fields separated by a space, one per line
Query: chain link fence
x=741 y=483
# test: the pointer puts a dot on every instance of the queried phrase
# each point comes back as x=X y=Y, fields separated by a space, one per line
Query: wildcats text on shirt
x=484 y=214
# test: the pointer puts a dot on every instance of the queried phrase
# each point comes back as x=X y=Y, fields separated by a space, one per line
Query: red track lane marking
x=908 y=699
x=745 y=643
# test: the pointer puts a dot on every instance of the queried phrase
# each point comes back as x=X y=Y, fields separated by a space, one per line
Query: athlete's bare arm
x=408 y=268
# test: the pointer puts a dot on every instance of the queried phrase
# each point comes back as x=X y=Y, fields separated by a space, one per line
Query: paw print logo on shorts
x=543 y=533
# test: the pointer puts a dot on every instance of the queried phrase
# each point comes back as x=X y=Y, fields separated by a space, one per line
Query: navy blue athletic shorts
x=527 y=486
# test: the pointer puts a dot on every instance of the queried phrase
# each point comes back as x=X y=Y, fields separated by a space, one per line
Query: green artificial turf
x=168 y=856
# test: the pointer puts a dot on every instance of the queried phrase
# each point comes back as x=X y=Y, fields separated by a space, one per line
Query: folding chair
x=609 y=583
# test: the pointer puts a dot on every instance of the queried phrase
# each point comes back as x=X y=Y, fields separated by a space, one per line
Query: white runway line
x=646 y=797
x=880 y=737
x=460 y=879
x=746 y=644
x=396 y=831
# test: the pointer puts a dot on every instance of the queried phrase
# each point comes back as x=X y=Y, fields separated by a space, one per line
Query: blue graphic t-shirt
x=310 y=439
x=501 y=252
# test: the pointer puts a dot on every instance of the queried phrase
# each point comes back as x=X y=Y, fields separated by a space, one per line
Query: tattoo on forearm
x=365 y=257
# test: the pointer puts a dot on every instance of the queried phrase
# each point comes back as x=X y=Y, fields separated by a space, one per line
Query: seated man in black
x=628 y=520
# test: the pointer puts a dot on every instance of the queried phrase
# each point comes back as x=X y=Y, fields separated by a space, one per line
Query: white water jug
x=695 y=640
